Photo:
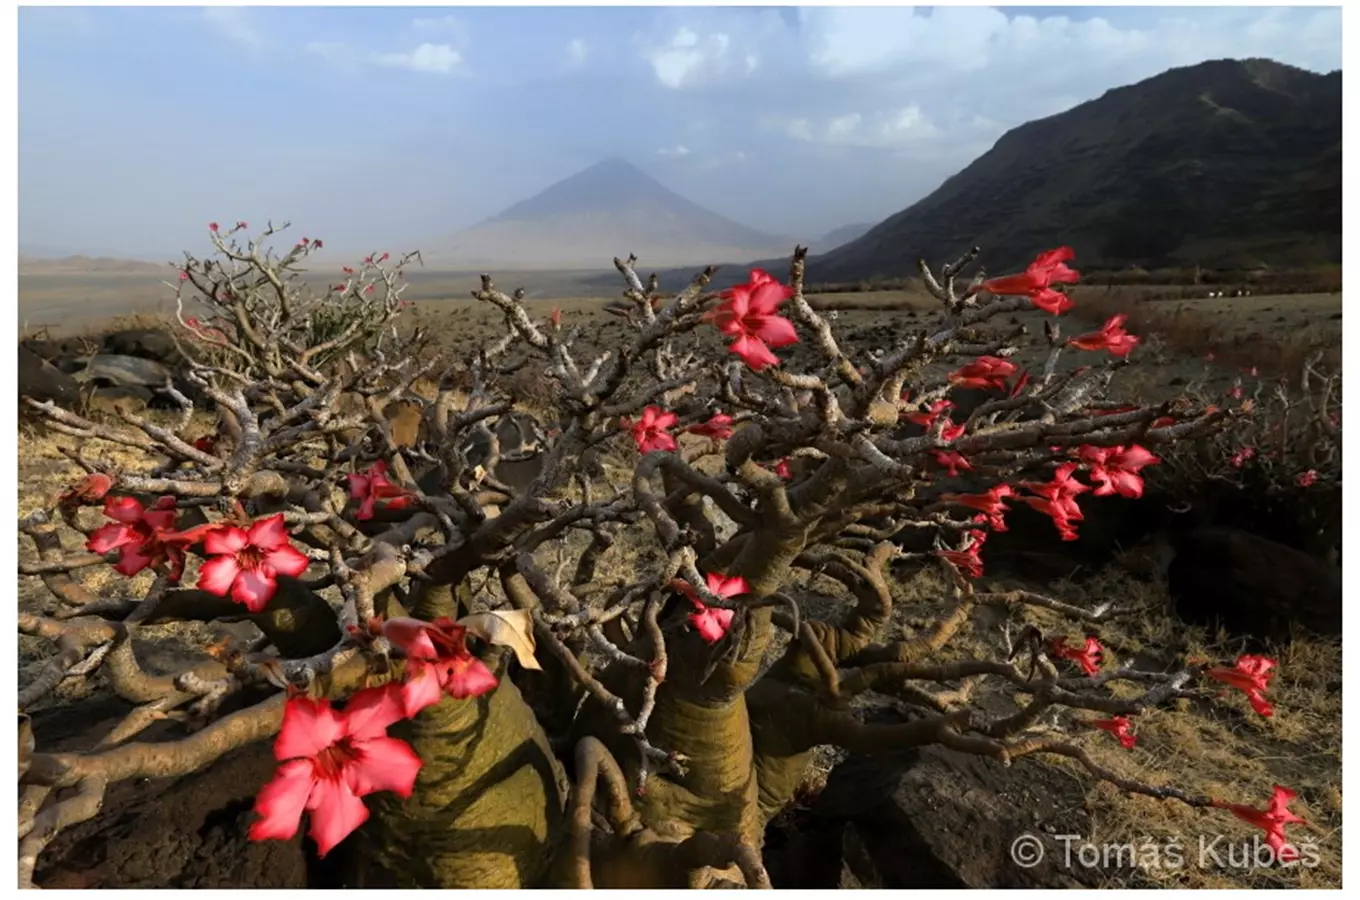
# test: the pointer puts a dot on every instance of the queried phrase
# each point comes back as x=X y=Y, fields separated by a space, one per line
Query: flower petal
x=384 y=764
x=270 y=533
x=368 y=713
x=107 y=537
x=468 y=677
x=281 y=801
x=254 y=588
x=224 y=539
x=217 y=575
x=421 y=687
x=309 y=726
x=777 y=331
x=123 y=509
x=336 y=812
x=287 y=560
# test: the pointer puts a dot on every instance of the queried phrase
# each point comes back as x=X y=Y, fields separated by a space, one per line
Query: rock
x=1251 y=585
x=183 y=833
x=41 y=380
x=936 y=818
x=145 y=343
x=108 y=370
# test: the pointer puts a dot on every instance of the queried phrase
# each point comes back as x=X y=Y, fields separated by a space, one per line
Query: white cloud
x=676 y=151
x=577 y=51
x=688 y=57
x=890 y=128
x=438 y=59
x=234 y=24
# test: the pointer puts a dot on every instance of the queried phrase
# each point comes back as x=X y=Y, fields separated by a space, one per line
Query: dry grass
x=1274 y=334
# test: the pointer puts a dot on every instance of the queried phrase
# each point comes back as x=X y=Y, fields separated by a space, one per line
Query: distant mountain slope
x=1224 y=163
x=610 y=209
x=839 y=237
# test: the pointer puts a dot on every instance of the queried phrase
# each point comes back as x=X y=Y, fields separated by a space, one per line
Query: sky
x=391 y=127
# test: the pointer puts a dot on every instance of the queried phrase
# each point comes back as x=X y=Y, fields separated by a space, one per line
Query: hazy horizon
x=388 y=127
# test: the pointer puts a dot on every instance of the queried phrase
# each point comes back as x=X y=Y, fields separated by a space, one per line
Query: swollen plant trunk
x=487 y=811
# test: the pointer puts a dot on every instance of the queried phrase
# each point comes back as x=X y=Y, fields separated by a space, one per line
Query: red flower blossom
x=183 y=276
x=783 y=470
x=1271 y=820
x=927 y=418
x=555 y=317
x=991 y=504
x=1307 y=479
x=952 y=460
x=1087 y=656
x=712 y=622
x=1115 y=469
x=1235 y=392
x=968 y=560
x=718 y=427
x=242 y=225
x=246 y=564
x=649 y=431
x=1119 y=726
x=438 y=662
x=748 y=314
x=1019 y=385
x=316 y=245
x=1242 y=457
x=1048 y=268
x=140 y=535
x=330 y=761
x=372 y=486
x=987 y=373
x=1251 y=675
x=212 y=226
x=1057 y=499
x=91 y=488
x=1111 y=336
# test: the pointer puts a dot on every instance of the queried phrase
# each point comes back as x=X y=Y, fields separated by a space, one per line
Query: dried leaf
x=511 y=628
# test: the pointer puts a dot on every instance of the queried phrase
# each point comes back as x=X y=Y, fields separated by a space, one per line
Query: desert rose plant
x=463 y=683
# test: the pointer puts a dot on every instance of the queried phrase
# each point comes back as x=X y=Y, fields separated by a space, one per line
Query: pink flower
x=316 y=245
x=1115 y=469
x=1242 y=457
x=927 y=418
x=438 y=661
x=987 y=373
x=91 y=488
x=141 y=536
x=1057 y=499
x=1048 y=268
x=372 y=486
x=212 y=226
x=991 y=504
x=331 y=760
x=1087 y=656
x=1307 y=479
x=1119 y=726
x=247 y=563
x=1271 y=820
x=1251 y=675
x=1111 y=336
x=748 y=314
x=712 y=622
x=718 y=427
x=183 y=275
x=969 y=560
x=649 y=431
x=555 y=317
x=952 y=460
x=242 y=225
x=783 y=470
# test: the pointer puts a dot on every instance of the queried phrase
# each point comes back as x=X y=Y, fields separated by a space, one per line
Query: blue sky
x=392 y=126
